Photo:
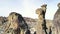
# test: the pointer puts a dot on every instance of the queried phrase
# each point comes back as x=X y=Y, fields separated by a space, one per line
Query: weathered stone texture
x=56 y=20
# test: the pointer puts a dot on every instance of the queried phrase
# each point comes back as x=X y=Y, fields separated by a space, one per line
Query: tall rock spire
x=41 y=29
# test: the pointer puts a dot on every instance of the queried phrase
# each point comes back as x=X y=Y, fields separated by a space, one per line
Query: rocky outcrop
x=42 y=28
x=34 y=25
x=13 y=24
x=2 y=20
x=37 y=26
x=56 y=20
x=30 y=21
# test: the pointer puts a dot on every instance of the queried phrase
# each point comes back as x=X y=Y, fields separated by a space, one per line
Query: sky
x=27 y=8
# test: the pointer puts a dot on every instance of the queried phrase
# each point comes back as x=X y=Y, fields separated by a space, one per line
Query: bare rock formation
x=15 y=24
x=32 y=23
x=57 y=20
x=2 y=20
x=19 y=25
x=41 y=22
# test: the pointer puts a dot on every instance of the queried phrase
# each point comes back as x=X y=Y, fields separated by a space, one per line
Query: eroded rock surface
x=30 y=21
x=53 y=26
x=56 y=20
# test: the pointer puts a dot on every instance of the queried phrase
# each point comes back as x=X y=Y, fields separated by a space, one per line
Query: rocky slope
x=31 y=23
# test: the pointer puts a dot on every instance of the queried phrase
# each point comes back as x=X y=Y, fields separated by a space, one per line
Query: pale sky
x=27 y=7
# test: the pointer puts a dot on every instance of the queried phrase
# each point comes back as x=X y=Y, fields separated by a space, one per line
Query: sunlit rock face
x=3 y=21
x=53 y=26
x=14 y=24
x=56 y=20
x=31 y=23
